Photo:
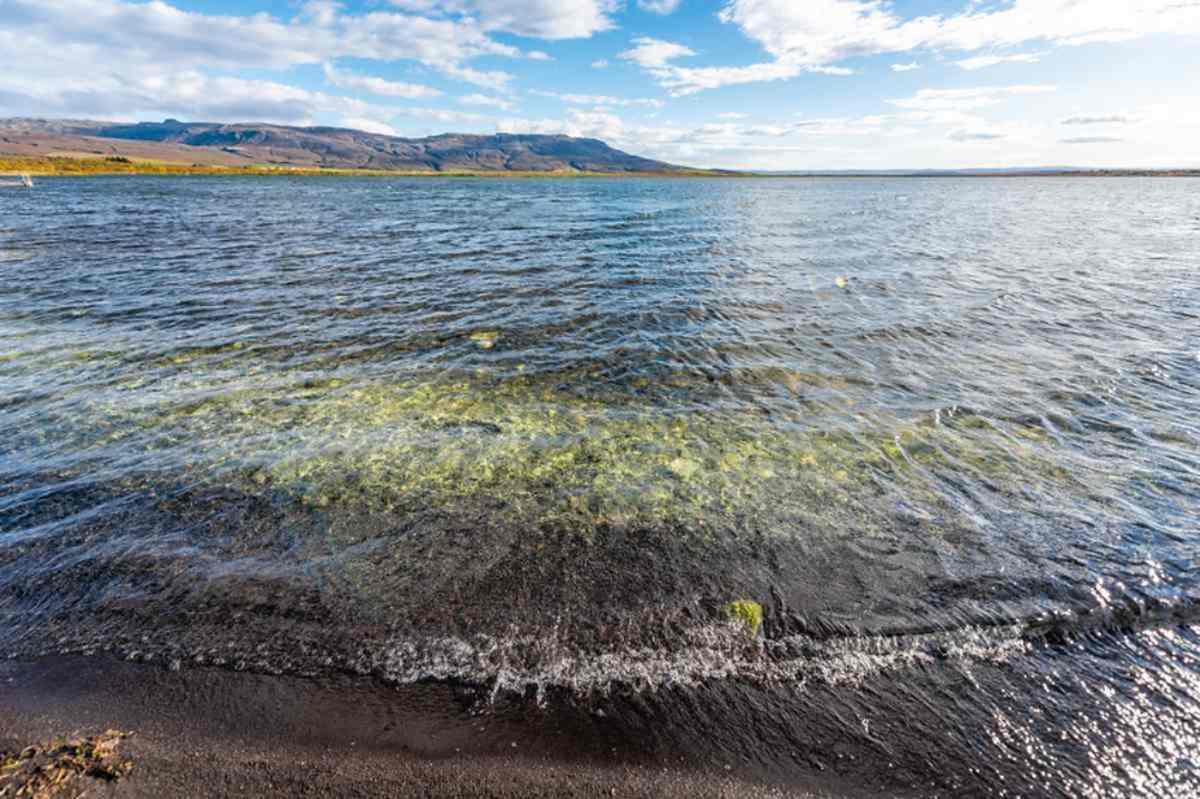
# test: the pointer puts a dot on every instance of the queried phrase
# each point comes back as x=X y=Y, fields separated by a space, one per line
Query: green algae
x=558 y=451
x=745 y=612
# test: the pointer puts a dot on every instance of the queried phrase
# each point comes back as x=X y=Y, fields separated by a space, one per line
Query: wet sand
x=206 y=732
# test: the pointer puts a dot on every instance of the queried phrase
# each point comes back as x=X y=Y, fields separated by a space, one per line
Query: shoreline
x=211 y=732
x=69 y=166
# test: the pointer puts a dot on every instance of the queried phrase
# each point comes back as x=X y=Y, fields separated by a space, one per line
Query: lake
x=541 y=437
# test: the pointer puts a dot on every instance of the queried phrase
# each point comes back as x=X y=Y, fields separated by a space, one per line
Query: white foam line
x=711 y=652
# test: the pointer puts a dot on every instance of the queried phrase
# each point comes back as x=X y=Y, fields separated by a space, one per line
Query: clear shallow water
x=535 y=434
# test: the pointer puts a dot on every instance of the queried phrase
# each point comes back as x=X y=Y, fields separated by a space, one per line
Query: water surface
x=535 y=435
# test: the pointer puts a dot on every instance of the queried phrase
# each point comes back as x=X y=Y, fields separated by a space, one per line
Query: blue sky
x=770 y=84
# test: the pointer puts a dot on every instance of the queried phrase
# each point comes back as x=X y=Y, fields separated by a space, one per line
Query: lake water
x=535 y=435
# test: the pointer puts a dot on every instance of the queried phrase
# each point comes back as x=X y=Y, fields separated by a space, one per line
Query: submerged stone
x=486 y=339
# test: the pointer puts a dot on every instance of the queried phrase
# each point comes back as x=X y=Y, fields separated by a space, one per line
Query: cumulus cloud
x=113 y=32
x=825 y=31
x=656 y=57
x=659 y=6
x=905 y=67
x=814 y=35
x=600 y=63
x=653 y=53
x=67 y=54
x=345 y=79
x=538 y=55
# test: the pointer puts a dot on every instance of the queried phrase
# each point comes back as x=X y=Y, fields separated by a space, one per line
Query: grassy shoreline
x=75 y=166
x=66 y=166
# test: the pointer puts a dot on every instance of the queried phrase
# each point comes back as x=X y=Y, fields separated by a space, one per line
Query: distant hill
x=246 y=144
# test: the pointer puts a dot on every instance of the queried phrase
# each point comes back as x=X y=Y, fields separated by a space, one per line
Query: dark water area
x=535 y=436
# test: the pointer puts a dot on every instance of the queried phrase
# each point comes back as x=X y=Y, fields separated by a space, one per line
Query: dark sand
x=206 y=732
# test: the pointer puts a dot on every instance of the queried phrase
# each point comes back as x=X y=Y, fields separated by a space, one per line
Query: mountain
x=247 y=144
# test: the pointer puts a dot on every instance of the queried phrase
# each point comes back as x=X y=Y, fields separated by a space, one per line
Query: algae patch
x=747 y=613
x=561 y=451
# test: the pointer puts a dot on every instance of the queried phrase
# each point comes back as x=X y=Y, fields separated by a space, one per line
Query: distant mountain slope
x=245 y=144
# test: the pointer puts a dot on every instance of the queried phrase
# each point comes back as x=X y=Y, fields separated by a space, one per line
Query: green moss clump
x=748 y=612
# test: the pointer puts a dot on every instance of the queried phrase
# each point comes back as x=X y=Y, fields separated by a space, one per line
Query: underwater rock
x=486 y=339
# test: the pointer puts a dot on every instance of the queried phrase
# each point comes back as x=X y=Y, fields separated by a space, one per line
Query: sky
x=740 y=84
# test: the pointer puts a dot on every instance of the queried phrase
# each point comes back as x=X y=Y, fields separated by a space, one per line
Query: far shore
x=81 y=166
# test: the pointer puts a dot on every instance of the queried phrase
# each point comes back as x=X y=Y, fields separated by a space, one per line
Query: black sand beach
x=210 y=733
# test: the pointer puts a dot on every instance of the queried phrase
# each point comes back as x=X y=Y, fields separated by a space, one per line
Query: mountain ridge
x=248 y=143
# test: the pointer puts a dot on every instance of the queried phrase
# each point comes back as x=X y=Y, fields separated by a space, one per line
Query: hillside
x=243 y=144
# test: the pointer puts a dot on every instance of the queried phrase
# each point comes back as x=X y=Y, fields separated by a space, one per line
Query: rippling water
x=535 y=435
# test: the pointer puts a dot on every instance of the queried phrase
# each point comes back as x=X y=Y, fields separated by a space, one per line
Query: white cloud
x=322 y=12
x=732 y=115
x=369 y=125
x=982 y=61
x=813 y=35
x=493 y=79
x=72 y=48
x=681 y=81
x=187 y=94
x=905 y=67
x=659 y=6
x=543 y=19
x=488 y=100
x=963 y=135
x=598 y=99
x=345 y=79
x=651 y=53
x=1099 y=119
x=966 y=99
x=656 y=55
x=527 y=126
x=538 y=55
x=904 y=138
x=825 y=31
x=1091 y=140
x=442 y=115
x=600 y=63
x=160 y=34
